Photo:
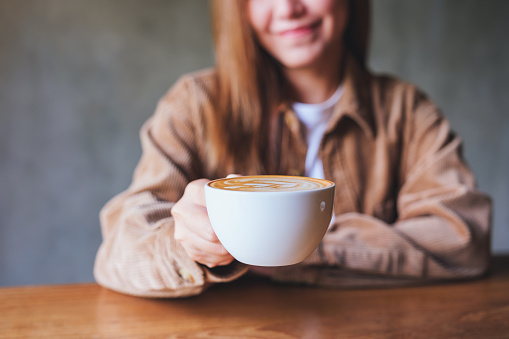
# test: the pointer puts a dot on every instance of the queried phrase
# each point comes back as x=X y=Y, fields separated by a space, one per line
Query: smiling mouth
x=301 y=30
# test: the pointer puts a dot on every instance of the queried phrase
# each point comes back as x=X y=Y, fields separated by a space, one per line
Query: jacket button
x=186 y=275
x=288 y=119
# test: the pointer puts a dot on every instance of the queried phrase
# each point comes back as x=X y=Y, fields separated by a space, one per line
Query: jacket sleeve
x=139 y=255
x=442 y=230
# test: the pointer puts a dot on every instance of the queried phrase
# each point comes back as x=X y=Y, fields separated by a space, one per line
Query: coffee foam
x=270 y=183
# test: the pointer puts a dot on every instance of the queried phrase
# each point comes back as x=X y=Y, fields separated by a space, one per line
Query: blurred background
x=78 y=79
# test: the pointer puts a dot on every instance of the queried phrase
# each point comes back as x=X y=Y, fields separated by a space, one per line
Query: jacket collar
x=355 y=102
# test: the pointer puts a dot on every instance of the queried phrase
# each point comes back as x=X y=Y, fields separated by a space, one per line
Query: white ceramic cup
x=270 y=224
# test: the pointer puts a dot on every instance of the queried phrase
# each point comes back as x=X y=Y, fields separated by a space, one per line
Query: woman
x=290 y=94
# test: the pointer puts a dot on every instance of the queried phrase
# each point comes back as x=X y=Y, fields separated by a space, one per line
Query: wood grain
x=258 y=309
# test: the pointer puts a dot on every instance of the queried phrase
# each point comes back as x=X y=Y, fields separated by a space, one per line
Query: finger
x=195 y=192
x=193 y=241
x=208 y=259
x=195 y=218
x=210 y=253
x=226 y=261
x=197 y=221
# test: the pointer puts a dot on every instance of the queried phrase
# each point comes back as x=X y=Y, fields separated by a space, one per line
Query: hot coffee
x=270 y=183
x=270 y=220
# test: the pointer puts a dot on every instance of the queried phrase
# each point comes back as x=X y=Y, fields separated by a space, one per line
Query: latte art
x=270 y=183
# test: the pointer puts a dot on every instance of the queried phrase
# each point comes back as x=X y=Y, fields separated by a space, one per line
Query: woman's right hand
x=193 y=229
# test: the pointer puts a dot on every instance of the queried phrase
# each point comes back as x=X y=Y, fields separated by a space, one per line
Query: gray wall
x=78 y=78
x=458 y=52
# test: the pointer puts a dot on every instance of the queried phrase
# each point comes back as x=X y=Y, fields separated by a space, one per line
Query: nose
x=289 y=8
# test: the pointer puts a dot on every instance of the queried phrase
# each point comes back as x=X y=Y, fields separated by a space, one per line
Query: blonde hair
x=249 y=88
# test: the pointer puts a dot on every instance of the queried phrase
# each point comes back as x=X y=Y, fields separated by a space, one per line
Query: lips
x=300 y=30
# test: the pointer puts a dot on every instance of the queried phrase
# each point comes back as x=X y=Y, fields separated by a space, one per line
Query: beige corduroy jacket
x=406 y=205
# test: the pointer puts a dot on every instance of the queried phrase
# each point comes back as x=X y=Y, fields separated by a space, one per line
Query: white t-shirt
x=316 y=117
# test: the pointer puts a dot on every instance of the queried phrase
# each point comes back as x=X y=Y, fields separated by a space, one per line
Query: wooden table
x=259 y=309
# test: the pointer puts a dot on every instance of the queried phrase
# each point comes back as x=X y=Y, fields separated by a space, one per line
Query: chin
x=300 y=58
x=298 y=62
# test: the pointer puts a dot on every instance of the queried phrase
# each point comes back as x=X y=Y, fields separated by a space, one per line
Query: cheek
x=258 y=13
x=323 y=7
